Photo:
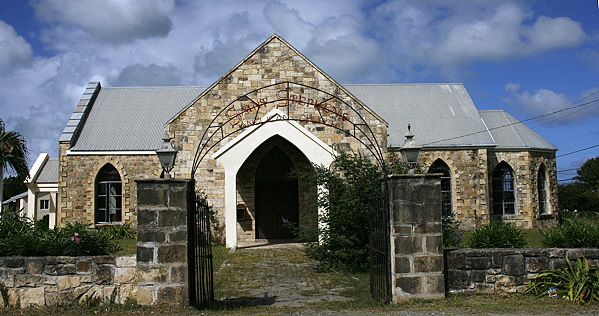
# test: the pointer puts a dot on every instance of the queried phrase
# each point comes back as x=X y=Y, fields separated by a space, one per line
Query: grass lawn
x=129 y=247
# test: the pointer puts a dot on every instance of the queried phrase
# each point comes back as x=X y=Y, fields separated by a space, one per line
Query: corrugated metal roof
x=512 y=136
x=126 y=119
x=49 y=173
x=132 y=118
x=14 y=198
x=438 y=113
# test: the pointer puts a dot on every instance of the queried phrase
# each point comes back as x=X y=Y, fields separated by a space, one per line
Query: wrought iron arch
x=201 y=289
x=215 y=132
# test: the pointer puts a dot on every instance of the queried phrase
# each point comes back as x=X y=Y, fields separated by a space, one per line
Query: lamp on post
x=410 y=151
x=166 y=155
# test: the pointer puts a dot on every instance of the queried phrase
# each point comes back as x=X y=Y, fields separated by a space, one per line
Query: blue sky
x=526 y=57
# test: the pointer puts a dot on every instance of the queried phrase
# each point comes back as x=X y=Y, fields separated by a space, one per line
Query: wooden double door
x=277 y=199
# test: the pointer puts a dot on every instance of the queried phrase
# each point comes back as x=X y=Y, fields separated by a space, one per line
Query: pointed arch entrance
x=242 y=155
x=241 y=125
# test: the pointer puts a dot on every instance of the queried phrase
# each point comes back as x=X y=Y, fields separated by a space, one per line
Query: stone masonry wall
x=76 y=183
x=526 y=165
x=505 y=270
x=47 y=281
x=471 y=177
x=469 y=182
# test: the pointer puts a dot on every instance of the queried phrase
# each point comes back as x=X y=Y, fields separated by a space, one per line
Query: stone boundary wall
x=46 y=281
x=505 y=270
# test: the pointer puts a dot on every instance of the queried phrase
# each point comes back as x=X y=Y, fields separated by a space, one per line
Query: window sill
x=545 y=216
x=104 y=224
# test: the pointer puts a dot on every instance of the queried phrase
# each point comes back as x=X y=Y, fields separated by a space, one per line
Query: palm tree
x=13 y=154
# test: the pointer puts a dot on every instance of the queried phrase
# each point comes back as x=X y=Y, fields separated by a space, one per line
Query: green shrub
x=572 y=234
x=20 y=237
x=341 y=239
x=452 y=236
x=577 y=284
x=497 y=235
x=114 y=232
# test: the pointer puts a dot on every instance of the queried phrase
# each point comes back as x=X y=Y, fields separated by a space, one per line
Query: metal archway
x=238 y=115
x=244 y=112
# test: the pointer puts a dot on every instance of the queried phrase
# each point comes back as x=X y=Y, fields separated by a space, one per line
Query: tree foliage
x=341 y=239
x=588 y=175
x=576 y=196
x=583 y=193
x=13 y=151
x=13 y=154
x=12 y=186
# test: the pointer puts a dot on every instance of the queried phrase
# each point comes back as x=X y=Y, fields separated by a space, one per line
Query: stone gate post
x=162 y=241
x=416 y=237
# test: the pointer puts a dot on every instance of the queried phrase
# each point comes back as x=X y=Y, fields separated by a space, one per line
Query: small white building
x=42 y=188
x=17 y=203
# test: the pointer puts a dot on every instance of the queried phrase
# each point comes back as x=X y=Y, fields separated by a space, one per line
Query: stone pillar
x=416 y=237
x=162 y=241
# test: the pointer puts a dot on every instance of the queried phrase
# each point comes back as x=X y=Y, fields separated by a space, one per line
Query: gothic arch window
x=503 y=190
x=439 y=166
x=542 y=190
x=108 y=195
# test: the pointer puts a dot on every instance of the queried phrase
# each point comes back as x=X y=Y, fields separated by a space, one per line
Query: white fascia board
x=37 y=167
x=110 y=153
x=47 y=187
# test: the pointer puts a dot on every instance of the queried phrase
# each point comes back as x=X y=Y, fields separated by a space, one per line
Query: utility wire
x=563 y=180
x=577 y=151
x=563 y=170
x=570 y=107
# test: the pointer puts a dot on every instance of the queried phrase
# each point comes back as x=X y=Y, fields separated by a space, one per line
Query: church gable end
x=275 y=76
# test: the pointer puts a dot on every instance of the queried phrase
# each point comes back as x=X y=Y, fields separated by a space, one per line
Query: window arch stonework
x=108 y=195
x=503 y=192
x=439 y=166
x=543 y=190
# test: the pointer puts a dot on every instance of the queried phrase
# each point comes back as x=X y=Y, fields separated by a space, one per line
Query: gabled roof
x=509 y=133
x=438 y=113
x=49 y=172
x=131 y=118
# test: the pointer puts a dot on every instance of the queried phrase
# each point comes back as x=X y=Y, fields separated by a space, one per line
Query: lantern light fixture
x=166 y=155
x=410 y=151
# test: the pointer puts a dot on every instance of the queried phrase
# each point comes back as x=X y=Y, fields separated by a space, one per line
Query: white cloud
x=591 y=57
x=151 y=75
x=114 y=21
x=550 y=33
x=544 y=101
x=450 y=34
x=190 y=42
x=15 y=51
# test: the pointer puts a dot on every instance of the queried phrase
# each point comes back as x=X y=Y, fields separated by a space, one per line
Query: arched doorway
x=277 y=201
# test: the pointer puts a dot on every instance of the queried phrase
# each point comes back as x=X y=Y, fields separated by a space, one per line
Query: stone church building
x=277 y=111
